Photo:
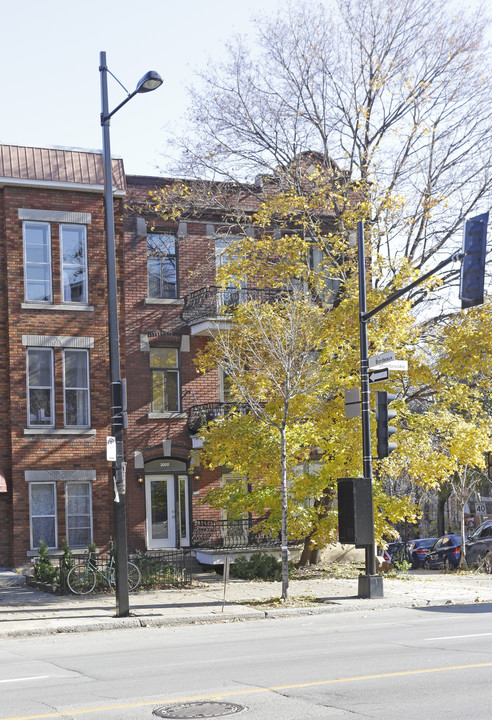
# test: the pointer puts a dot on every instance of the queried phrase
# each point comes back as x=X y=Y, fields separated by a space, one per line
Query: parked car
x=479 y=543
x=395 y=550
x=417 y=551
x=445 y=553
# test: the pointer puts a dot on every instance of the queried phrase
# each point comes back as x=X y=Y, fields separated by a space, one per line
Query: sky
x=50 y=77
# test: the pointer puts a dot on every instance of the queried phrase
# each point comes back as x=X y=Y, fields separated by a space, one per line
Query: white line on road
x=457 y=637
x=23 y=679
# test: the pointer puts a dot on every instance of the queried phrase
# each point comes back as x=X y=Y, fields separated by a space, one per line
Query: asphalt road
x=394 y=664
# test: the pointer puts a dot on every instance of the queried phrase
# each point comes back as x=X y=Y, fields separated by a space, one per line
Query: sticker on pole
x=111 y=448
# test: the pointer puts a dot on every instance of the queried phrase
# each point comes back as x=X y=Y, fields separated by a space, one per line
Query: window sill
x=54 y=552
x=71 y=307
x=167 y=416
x=59 y=431
x=163 y=301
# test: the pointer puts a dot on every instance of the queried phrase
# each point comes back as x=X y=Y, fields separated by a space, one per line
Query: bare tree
x=272 y=357
x=394 y=97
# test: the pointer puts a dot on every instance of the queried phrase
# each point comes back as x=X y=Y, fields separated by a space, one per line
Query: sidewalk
x=25 y=611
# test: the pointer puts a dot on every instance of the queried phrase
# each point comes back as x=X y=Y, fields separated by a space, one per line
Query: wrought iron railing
x=200 y=415
x=239 y=533
x=158 y=568
x=213 y=301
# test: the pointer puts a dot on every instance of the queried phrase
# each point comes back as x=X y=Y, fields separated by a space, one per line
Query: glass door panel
x=161 y=516
x=184 y=515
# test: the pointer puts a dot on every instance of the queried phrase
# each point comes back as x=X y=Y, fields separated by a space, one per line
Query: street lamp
x=149 y=82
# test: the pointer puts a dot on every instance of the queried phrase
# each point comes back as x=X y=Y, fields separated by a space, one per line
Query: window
x=165 y=379
x=37 y=262
x=161 y=266
x=232 y=295
x=76 y=387
x=40 y=387
x=42 y=503
x=78 y=504
x=73 y=248
x=225 y=386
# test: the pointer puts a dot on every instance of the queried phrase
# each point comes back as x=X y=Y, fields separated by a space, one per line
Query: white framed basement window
x=78 y=511
x=42 y=514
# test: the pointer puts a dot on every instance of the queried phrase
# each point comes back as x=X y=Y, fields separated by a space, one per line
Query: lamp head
x=150 y=81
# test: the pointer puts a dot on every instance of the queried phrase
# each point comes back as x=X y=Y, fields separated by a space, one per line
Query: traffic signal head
x=383 y=416
x=473 y=264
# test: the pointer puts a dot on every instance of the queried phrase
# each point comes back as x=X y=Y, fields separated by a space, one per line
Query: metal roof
x=57 y=167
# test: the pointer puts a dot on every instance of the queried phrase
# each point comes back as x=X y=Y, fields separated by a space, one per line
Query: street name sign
x=382 y=359
x=397 y=365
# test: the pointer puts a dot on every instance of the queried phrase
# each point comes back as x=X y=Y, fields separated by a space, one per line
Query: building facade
x=54 y=362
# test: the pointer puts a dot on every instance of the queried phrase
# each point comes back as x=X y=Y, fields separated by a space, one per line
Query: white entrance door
x=160 y=511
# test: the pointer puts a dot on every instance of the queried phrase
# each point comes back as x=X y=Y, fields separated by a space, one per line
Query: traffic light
x=473 y=264
x=383 y=416
x=489 y=464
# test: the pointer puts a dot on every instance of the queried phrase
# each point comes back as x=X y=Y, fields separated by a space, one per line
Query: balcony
x=208 y=310
x=201 y=415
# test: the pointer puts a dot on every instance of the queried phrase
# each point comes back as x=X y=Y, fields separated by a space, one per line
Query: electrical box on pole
x=383 y=416
x=355 y=516
x=472 y=277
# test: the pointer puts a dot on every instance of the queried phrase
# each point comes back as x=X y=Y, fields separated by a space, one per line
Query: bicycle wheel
x=134 y=577
x=81 y=580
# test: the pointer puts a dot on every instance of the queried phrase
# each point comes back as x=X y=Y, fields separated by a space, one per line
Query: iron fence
x=200 y=415
x=239 y=533
x=158 y=568
x=213 y=301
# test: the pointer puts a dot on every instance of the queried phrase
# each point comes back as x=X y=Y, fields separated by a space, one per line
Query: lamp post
x=149 y=82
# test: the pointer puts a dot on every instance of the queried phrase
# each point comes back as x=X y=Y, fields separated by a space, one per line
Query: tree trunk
x=285 y=552
x=463 y=563
x=310 y=555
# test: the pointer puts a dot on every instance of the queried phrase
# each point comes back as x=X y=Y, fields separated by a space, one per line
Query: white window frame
x=51 y=387
x=87 y=389
x=31 y=516
x=67 y=515
x=25 y=226
x=85 y=298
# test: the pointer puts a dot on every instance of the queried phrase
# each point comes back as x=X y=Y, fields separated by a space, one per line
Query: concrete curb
x=246 y=615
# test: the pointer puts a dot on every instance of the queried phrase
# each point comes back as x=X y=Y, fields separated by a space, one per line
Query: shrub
x=43 y=569
x=259 y=566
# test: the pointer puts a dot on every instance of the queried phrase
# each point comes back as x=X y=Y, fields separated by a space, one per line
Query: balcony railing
x=239 y=533
x=214 y=301
x=200 y=415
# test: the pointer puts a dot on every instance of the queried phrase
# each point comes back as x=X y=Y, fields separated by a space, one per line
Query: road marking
x=250 y=691
x=23 y=679
x=457 y=637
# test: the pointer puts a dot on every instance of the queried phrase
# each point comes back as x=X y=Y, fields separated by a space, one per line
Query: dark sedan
x=479 y=543
x=445 y=553
x=417 y=551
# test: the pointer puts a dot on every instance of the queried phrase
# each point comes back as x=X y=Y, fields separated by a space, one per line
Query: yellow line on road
x=250 y=691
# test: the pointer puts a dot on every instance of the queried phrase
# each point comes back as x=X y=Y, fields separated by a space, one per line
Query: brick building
x=166 y=264
x=55 y=481
x=54 y=390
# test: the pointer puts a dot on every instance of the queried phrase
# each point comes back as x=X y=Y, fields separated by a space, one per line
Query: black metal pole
x=370 y=585
x=119 y=480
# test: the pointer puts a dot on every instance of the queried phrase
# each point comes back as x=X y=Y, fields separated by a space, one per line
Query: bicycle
x=82 y=578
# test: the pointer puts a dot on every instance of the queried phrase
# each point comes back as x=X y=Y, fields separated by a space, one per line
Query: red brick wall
x=20 y=452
